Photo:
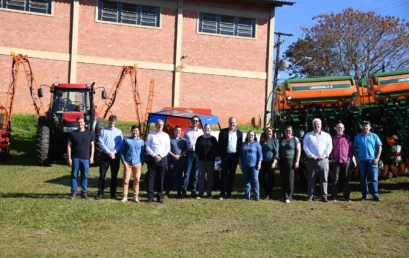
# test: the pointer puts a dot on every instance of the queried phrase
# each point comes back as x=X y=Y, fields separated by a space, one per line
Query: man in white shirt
x=157 y=147
x=192 y=160
x=317 y=147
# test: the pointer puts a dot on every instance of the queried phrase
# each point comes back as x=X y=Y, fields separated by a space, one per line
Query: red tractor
x=67 y=103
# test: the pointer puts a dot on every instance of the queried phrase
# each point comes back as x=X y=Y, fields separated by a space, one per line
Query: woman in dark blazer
x=206 y=150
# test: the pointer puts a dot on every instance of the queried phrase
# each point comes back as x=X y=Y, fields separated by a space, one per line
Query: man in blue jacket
x=132 y=156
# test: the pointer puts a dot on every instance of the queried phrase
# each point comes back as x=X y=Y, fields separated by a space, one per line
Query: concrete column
x=270 y=56
x=74 y=41
x=178 y=55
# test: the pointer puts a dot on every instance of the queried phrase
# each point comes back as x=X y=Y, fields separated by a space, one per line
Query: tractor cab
x=70 y=101
x=67 y=103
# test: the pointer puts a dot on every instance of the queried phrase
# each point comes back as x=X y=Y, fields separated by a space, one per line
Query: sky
x=289 y=19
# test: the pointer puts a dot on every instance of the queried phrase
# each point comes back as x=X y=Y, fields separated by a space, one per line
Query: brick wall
x=118 y=41
x=37 y=32
x=227 y=96
x=210 y=50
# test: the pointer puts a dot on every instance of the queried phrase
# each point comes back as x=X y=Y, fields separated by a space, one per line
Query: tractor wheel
x=43 y=142
x=98 y=129
x=4 y=154
x=401 y=169
x=394 y=170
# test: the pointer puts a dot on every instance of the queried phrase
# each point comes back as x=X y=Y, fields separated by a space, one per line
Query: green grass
x=38 y=220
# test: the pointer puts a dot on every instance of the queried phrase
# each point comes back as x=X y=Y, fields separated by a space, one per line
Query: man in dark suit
x=229 y=149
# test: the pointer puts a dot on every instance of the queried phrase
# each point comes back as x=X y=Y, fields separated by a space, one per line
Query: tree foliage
x=351 y=43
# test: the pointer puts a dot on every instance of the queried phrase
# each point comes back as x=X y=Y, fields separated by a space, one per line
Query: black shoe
x=113 y=197
x=324 y=199
x=229 y=196
x=193 y=195
x=84 y=196
x=377 y=199
x=159 y=200
x=99 y=197
x=149 y=200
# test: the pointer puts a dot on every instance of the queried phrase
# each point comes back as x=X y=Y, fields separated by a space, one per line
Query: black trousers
x=156 y=176
x=287 y=177
x=229 y=166
x=107 y=162
x=340 y=170
x=266 y=177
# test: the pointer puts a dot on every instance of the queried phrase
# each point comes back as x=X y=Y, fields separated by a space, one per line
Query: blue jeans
x=174 y=178
x=250 y=175
x=83 y=166
x=366 y=168
x=192 y=167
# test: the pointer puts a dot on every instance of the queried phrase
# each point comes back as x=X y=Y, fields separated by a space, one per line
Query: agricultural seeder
x=382 y=100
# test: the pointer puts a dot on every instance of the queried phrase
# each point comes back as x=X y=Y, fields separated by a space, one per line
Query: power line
x=389 y=5
x=396 y=7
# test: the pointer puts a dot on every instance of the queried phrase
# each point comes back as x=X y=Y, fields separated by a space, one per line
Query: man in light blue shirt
x=192 y=161
x=132 y=156
x=368 y=148
x=317 y=147
x=110 y=142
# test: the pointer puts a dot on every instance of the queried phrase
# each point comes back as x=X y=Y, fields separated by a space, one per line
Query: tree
x=351 y=43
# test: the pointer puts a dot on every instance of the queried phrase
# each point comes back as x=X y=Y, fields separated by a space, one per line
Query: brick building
x=202 y=53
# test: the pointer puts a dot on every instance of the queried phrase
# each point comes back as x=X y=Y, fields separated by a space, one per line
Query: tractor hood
x=69 y=121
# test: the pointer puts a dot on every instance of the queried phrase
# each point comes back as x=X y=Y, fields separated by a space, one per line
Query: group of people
x=188 y=162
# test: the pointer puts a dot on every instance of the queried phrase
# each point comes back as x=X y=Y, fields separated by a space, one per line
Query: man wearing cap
x=368 y=148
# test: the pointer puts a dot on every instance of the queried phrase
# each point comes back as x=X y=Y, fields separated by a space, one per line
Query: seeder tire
x=385 y=172
x=402 y=168
x=394 y=170
x=4 y=155
x=43 y=143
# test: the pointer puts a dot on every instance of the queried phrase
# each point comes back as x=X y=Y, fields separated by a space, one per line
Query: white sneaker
x=198 y=198
x=287 y=201
x=125 y=199
x=136 y=199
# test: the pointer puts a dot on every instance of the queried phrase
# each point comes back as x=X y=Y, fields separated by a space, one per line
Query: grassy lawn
x=38 y=219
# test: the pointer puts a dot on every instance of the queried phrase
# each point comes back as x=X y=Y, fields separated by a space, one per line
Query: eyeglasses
x=195 y=121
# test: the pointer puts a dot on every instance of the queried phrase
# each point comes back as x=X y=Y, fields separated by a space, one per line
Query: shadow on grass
x=22 y=152
x=35 y=195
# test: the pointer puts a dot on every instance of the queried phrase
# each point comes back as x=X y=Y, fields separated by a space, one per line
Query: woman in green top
x=289 y=159
x=269 y=148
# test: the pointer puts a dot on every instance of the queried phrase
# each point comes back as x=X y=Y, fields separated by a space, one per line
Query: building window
x=35 y=6
x=129 y=13
x=227 y=25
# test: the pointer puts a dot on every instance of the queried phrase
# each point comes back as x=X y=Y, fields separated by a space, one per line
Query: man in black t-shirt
x=80 y=154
